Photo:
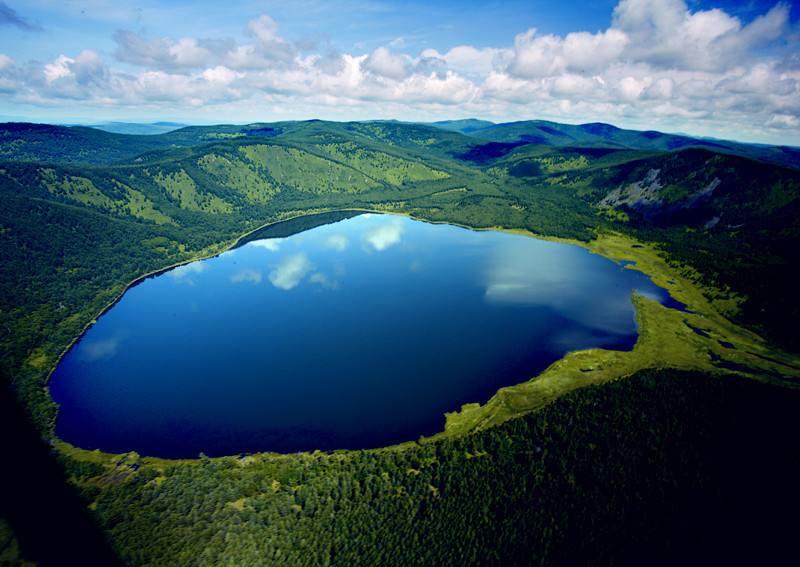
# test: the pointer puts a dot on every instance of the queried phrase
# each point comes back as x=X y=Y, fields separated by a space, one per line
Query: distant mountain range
x=509 y=134
x=600 y=135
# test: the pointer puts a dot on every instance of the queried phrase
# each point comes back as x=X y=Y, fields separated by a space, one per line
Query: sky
x=727 y=69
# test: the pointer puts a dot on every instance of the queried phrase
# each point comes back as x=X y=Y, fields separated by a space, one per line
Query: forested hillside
x=85 y=212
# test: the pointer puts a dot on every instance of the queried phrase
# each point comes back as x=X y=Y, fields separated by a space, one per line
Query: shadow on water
x=284 y=229
x=49 y=518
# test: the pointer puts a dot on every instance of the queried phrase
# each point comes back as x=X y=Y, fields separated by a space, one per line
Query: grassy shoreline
x=666 y=340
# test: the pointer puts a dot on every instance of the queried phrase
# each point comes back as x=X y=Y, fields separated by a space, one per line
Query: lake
x=358 y=333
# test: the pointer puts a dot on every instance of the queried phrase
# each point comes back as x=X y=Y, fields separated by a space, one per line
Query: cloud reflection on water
x=337 y=242
x=322 y=280
x=290 y=272
x=246 y=276
x=184 y=273
x=271 y=244
x=562 y=281
x=99 y=349
x=383 y=236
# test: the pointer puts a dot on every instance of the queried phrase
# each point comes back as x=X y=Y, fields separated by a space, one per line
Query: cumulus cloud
x=160 y=52
x=264 y=29
x=540 y=56
x=660 y=64
x=784 y=121
x=471 y=60
x=74 y=77
x=268 y=46
x=667 y=34
x=265 y=49
x=290 y=272
x=382 y=62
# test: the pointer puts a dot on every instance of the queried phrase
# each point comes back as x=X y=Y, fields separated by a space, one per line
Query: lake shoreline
x=596 y=249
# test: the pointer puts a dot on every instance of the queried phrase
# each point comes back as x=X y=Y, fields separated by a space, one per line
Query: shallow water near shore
x=359 y=333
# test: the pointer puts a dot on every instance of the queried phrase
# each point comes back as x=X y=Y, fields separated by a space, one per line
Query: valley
x=117 y=207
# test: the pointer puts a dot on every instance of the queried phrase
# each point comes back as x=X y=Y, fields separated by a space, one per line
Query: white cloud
x=383 y=236
x=471 y=60
x=382 y=62
x=666 y=33
x=187 y=53
x=448 y=89
x=290 y=272
x=784 y=121
x=58 y=69
x=160 y=52
x=630 y=87
x=540 y=56
x=263 y=28
x=660 y=64
x=269 y=45
x=592 y=52
x=221 y=75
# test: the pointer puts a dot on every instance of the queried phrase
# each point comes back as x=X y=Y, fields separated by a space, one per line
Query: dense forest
x=605 y=472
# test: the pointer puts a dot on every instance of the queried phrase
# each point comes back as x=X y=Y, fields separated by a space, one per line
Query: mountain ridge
x=17 y=138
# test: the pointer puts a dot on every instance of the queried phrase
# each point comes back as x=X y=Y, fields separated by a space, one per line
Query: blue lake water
x=355 y=334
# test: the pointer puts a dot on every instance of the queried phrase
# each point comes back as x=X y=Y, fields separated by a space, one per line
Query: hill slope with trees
x=85 y=212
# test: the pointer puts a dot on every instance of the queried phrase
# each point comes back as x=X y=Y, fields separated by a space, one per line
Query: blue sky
x=727 y=69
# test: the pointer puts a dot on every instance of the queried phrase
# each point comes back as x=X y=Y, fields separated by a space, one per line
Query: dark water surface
x=355 y=334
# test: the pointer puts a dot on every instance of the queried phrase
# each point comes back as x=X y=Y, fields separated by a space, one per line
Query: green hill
x=599 y=135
